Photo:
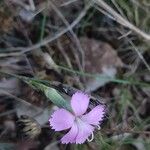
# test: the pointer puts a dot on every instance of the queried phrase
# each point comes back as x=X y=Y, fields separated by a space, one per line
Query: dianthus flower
x=80 y=123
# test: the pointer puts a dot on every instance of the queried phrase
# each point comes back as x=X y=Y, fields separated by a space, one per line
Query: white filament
x=98 y=127
x=91 y=139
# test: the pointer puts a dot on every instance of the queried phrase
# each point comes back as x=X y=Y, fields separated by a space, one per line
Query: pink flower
x=81 y=125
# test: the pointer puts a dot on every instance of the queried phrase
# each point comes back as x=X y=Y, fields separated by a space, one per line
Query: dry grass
x=48 y=46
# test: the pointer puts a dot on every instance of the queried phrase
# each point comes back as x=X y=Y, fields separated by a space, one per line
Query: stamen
x=98 y=127
x=92 y=137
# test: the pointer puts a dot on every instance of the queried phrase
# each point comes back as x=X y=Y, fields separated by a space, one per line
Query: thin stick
x=121 y=20
x=124 y=35
x=65 y=55
x=71 y=31
x=68 y=2
x=49 y=38
x=138 y=52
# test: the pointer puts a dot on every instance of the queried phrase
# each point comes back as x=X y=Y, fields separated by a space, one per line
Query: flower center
x=81 y=126
x=78 y=120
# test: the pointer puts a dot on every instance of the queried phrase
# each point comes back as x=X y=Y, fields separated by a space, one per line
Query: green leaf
x=56 y=98
x=52 y=94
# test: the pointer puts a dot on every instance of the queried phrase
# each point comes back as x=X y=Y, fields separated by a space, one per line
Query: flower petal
x=84 y=131
x=71 y=135
x=61 y=119
x=79 y=103
x=95 y=115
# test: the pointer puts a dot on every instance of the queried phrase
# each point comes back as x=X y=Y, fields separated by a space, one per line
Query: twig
x=16 y=98
x=65 y=55
x=3 y=132
x=140 y=55
x=118 y=8
x=9 y=54
x=124 y=35
x=68 y=3
x=49 y=38
x=7 y=112
x=71 y=31
x=138 y=52
x=121 y=20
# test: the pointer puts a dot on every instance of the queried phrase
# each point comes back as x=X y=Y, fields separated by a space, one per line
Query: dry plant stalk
x=118 y=18
x=48 y=39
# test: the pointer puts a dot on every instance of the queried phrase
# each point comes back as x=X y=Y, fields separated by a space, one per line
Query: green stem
x=105 y=77
x=43 y=27
x=52 y=94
